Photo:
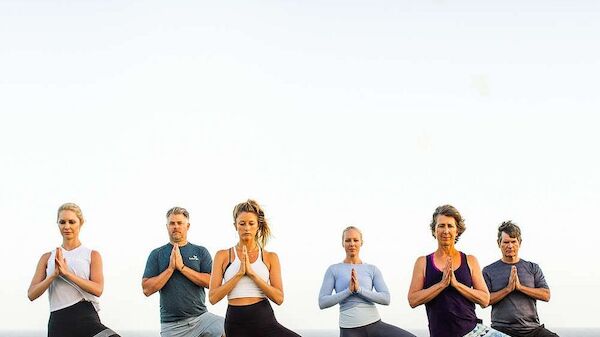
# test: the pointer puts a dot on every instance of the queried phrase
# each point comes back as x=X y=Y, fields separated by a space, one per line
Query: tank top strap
x=262 y=257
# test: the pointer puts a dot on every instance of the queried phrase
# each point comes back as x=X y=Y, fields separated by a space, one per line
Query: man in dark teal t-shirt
x=180 y=271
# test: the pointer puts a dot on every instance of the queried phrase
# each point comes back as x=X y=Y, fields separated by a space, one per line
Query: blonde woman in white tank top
x=73 y=276
x=248 y=275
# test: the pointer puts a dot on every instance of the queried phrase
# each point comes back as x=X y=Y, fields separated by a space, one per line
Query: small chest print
x=193 y=258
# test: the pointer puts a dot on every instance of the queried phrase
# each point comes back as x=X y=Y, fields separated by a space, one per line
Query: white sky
x=329 y=113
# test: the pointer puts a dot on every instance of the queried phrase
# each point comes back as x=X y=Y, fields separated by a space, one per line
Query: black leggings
x=78 y=320
x=377 y=329
x=254 y=320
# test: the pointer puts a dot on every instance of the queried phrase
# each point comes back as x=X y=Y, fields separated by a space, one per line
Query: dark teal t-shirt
x=180 y=298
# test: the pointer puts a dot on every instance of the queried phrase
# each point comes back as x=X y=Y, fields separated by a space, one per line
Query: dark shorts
x=78 y=320
x=540 y=331
x=377 y=329
x=255 y=320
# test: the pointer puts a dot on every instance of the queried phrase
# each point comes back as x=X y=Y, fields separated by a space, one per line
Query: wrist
x=182 y=268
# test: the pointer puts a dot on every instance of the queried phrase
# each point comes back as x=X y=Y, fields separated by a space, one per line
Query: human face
x=69 y=225
x=445 y=230
x=352 y=242
x=246 y=225
x=509 y=247
x=177 y=226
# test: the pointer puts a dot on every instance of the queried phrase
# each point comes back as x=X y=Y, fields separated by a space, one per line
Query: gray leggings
x=377 y=329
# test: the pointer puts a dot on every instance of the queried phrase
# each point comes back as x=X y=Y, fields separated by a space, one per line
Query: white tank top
x=64 y=293
x=245 y=286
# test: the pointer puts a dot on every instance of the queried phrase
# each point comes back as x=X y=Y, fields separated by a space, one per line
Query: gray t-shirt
x=516 y=311
x=180 y=298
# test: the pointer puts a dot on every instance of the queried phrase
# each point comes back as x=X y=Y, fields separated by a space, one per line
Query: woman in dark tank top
x=449 y=282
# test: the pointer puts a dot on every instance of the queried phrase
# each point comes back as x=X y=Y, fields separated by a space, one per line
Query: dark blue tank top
x=450 y=314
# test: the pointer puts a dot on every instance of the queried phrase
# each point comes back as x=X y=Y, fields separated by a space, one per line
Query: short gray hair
x=178 y=210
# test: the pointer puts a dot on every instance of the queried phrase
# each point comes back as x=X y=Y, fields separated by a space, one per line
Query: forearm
x=329 y=300
x=541 y=294
x=36 y=290
x=154 y=284
x=373 y=296
x=89 y=286
x=274 y=294
x=497 y=296
x=216 y=293
x=199 y=279
x=478 y=296
x=423 y=296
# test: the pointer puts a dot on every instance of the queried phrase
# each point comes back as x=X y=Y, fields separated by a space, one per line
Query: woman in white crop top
x=248 y=275
x=72 y=274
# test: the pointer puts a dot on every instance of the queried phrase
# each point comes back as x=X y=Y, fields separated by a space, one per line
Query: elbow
x=278 y=300
x=30 y=296
x=412 y=302
x=485 y=301
x=98 y=292
x=546 y=297
x=212 y=298
x=148 y=291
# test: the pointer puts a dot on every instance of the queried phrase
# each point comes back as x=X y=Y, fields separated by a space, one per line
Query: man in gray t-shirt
x=515 y=285
x=181 y=270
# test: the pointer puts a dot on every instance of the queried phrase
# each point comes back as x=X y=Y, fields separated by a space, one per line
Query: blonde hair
x=356 y=229
x=250 y=206
x=69 y=206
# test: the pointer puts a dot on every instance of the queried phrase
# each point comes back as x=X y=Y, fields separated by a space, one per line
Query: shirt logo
x=193 y=258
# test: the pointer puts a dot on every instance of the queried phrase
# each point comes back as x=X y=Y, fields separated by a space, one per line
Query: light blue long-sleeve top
x=356 y=309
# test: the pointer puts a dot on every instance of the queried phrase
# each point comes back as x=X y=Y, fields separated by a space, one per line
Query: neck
x=510 y=259
x=446 y=251
x=180 y=243
x=352 y=259
x=71 y=244
x=251 y=245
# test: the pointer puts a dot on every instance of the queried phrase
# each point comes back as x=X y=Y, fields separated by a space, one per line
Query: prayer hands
x=448 y=277
x=176 y=257
x=513 y=280
x=247 y=264
x=354 y=284
x=60 y=264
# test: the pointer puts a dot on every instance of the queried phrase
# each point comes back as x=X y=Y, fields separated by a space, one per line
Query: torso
x=450 y=314
x=63 y=293
x=246 y=292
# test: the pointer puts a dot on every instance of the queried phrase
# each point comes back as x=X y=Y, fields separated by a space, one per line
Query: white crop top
x=63 y=293
x=245 y=286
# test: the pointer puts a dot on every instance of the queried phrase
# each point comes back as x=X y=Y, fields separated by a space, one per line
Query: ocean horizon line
x=562 y=331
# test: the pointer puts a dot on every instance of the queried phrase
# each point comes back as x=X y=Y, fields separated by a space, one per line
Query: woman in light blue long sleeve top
x=358 y=286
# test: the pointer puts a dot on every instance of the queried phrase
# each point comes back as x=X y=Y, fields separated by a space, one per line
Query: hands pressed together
x=176 y=261
x=60 y=265
x=448 y=277
x=245 y=266
x=513 y=280
x=354 y=284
